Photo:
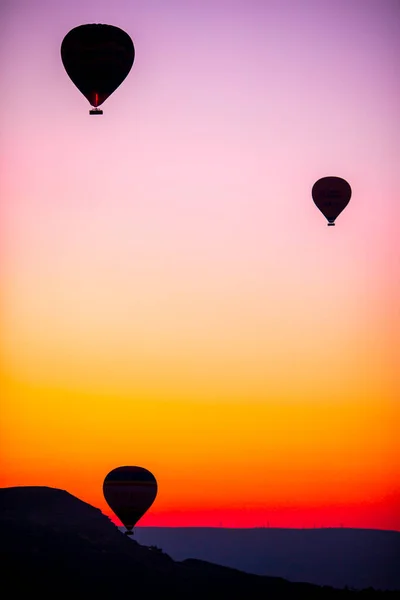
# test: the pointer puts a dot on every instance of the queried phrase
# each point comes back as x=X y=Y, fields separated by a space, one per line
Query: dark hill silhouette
x=339 y=557
x=53 y=544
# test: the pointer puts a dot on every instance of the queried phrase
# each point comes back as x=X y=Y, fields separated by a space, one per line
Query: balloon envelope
x=331 y=195
x=97 y=58
x=129 y=492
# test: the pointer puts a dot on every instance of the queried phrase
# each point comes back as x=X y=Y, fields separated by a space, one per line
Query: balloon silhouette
x=331 y=195
x=129 y=492
x=97 y=59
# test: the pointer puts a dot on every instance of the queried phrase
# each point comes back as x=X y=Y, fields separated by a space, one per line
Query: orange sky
x=170 y=295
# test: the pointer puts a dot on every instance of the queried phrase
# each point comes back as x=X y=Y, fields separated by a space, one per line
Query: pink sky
x=167 y=257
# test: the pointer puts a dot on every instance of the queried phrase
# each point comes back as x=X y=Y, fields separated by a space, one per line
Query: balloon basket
x=331 y=224
x=128 y=532
x=95 y=111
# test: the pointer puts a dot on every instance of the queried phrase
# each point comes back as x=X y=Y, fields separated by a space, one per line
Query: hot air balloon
x=97 y=58
x=331 y=195
x=129 y=492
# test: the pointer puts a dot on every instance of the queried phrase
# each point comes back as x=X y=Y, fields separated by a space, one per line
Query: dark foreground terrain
x=338 y=557
x=53 y=544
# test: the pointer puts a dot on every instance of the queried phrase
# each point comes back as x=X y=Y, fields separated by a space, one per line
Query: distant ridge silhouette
x=339 y=557
x=53 y=544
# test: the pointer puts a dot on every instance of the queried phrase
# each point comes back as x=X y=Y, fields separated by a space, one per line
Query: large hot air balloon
x=331 y=195
x=97 y=58
x=129 y=492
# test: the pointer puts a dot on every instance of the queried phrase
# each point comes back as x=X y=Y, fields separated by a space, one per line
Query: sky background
x=170 y=295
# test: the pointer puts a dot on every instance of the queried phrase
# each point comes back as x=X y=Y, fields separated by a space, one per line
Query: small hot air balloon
x=331 y=195
x=129 y=492
x=97 y=58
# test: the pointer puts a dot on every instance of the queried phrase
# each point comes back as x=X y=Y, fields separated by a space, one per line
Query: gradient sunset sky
x=170 y=295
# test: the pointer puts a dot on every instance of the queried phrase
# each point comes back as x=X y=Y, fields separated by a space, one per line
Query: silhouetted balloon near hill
x=67 y=548
x=97 y=58
x=129 y=492
x=331 y=195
